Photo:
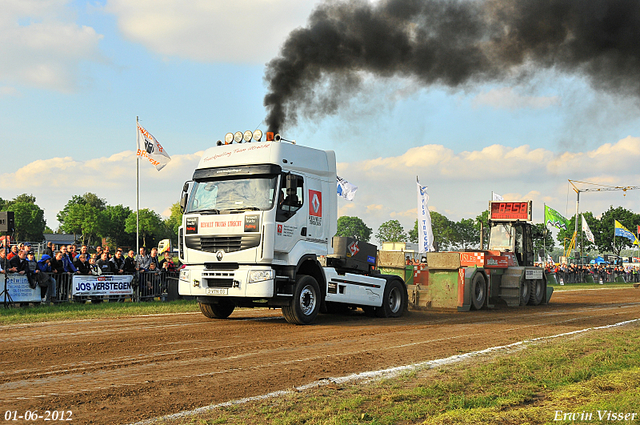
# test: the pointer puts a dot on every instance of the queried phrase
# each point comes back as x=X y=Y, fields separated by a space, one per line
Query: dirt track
x=125 y=370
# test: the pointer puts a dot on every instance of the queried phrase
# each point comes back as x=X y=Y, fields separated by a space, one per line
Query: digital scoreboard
x=510 y=211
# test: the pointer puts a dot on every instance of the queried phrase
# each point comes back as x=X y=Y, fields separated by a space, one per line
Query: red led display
x=511 y=211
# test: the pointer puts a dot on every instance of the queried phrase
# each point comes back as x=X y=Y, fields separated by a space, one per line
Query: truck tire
x=478 y=291
x=536 y=290
x=525 y=293
x=220 y=310
x=305 y=305
x=394 y=300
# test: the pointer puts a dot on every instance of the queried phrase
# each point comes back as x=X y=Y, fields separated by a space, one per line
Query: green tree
x=28 y=220
x=542 y=238
x=391 y=231
x=605 y=238
x=115 y=217
x=175 y=220
x=466 y=233
x=353 y=227
x=87 y=199
x=443 y=231
x=151 y=226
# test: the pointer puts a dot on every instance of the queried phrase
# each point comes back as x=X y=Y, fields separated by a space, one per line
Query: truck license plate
x=217 y=291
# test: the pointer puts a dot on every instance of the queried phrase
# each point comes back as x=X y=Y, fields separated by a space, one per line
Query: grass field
x=593 y=378
x=76 y=311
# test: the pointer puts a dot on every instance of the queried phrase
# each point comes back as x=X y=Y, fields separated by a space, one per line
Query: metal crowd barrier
x=147 y=286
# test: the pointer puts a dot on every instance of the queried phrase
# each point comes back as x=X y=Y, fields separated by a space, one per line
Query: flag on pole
x=346 y=189
x=148 y=147
x=587 y=231
x=496 y=197
x=554 y=218
x=620 y=230
x=425 y=234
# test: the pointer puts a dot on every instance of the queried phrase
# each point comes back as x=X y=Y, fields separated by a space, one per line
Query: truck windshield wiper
x=209 y=211
x=238 y=210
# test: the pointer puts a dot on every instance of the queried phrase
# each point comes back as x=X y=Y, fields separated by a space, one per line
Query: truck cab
x=258 y=220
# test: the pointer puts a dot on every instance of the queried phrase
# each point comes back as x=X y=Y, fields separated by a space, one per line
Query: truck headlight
x=261 y=275
x=185 y=275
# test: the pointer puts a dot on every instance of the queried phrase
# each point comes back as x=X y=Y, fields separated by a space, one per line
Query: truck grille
x=225 y=243
x=218 y=279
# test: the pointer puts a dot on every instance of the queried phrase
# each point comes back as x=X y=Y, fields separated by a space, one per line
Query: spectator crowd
x=605 y=273
x=55 y=264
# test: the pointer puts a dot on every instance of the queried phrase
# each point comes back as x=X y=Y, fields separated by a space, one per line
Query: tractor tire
x=537 y=292
x=219 y=310
x=525 y=293
x=478 y=291
x=305 y=305
x=394 y=300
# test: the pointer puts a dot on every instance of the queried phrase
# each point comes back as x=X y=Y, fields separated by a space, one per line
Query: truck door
x=291 y=217
x=316 y=225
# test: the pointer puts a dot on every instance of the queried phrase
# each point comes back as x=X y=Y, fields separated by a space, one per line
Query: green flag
x=554 y=218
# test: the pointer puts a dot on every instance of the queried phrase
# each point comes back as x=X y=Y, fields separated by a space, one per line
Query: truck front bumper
x=243 y=282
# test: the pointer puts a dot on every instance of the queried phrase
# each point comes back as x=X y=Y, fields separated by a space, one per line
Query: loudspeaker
x=6 y=222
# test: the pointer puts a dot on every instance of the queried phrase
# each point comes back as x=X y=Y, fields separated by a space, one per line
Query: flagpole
x=137 y=192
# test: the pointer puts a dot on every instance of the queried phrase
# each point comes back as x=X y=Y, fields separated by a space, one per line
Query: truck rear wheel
x=305 y=304
x=478 y=291
x=536 y=290
x=525 y=293
x=220 y=310
x=394 y=300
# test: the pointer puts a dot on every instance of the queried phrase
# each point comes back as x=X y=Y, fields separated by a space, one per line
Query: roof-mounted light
x=228 y=138
x=247 y=136
x=237 y=137
x=257 y=135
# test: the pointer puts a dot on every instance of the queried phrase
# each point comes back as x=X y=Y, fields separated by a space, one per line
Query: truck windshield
x=254 y=193
x=501 y=237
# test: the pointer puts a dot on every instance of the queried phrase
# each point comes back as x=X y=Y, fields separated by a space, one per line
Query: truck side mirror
x=184 y=196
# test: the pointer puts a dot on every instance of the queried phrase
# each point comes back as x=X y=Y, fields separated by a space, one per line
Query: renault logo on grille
x=219 y=255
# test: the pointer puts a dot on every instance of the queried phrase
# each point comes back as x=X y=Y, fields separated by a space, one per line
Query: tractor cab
x=512 y=237
x=510 y=230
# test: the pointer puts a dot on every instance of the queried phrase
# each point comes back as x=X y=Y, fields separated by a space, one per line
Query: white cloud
x=55 y=181
x=461 y=183
x=41 y=46
x=241 y=31
x=507 y=98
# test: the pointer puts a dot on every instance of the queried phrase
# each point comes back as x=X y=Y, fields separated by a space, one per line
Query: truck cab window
x=290 y=196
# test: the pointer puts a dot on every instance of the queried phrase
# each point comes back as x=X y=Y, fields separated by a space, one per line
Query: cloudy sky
x=75 y=74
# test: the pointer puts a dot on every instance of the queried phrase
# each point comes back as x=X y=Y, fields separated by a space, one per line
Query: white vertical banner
x=148 y=147
x=425 y=234
x=587 y=231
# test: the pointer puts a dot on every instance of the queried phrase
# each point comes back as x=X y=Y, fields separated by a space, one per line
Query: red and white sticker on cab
x=315 y=207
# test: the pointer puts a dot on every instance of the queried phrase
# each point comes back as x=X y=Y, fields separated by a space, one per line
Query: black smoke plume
x=450 y=43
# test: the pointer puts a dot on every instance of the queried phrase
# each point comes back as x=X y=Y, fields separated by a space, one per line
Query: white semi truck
x=258 y=231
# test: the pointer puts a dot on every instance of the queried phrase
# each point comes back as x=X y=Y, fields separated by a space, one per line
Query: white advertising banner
x=102 y=285
x=18 y=289
x=425 y=234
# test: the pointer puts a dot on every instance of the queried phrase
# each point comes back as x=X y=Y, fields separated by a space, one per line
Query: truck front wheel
x=305 y=304
x=219 y=310
x=394 y=300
